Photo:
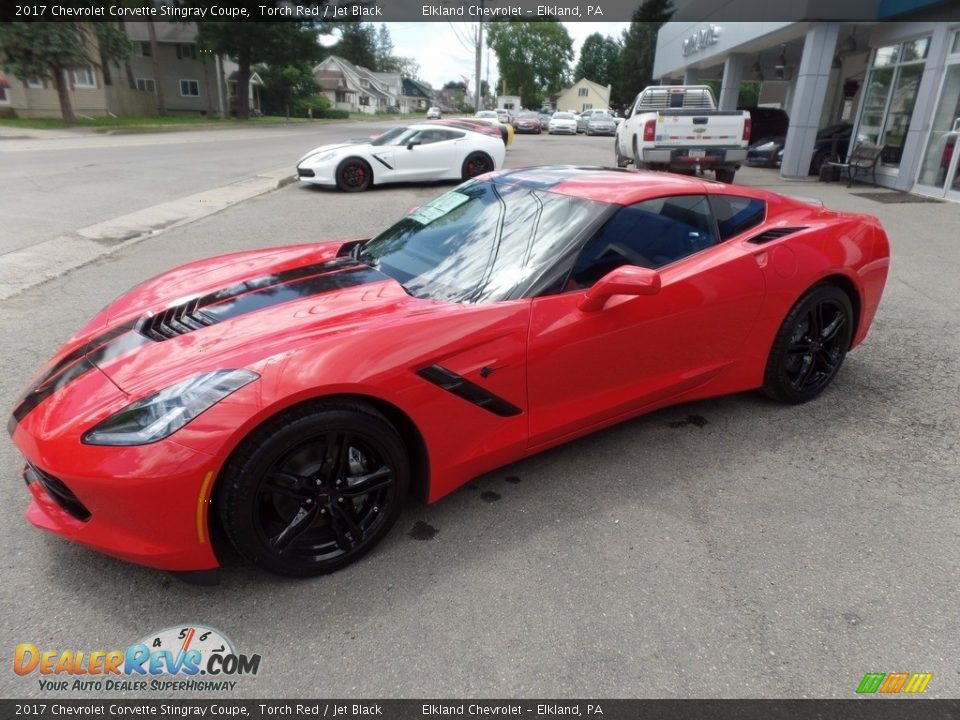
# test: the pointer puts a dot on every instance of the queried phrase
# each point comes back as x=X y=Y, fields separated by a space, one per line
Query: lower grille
x=305 y=172
x=60 y=493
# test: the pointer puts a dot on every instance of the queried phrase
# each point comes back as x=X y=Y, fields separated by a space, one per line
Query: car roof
x=613 y=185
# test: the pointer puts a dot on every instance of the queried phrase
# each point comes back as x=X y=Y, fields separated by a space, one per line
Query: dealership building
x=893 y=73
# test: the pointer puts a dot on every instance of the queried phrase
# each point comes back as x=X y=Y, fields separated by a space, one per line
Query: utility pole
x=476 y=91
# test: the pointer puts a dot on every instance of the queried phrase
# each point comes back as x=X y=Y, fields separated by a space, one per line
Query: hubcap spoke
x=338 y=514
x=831 y=331
x=337 y=525
x=302 y=520
x=805 y=372
x=335 y=457
x=366 y=484
x=284 y=483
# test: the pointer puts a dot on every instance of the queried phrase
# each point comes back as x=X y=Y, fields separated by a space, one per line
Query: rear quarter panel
x=847 y=249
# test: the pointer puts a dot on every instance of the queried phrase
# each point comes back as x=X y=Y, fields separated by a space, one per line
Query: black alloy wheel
x=315 y=489
x=476 y=164
x=810 y=345
x=354 y=175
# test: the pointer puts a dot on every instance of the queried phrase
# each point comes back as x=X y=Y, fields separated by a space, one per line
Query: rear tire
x=314 y=489
x=725 y=176
x=476 y=163
x=810 y=346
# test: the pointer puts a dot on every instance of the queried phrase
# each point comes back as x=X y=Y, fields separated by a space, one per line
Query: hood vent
x=175 y=321
x=774 y=234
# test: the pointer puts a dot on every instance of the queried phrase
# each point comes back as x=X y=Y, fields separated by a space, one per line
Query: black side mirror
x=412 y=143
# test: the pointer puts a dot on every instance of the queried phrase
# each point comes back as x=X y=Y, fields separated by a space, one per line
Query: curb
x=35 y=265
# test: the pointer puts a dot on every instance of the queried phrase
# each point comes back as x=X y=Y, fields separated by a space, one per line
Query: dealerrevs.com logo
x=187 y=658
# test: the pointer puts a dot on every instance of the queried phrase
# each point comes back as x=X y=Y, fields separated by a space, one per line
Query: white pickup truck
x=678 y=128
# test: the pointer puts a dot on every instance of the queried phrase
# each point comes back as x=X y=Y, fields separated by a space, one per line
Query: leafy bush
x=315 y=105
x=332 y=114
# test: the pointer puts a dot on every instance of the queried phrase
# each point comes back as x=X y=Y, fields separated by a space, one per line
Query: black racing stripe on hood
x=294 y=290
x=112 y=344
x=66 y=370
x=230 y=302
x=257 y=294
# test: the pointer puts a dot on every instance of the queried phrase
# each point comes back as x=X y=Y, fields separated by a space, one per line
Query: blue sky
x=442 y=57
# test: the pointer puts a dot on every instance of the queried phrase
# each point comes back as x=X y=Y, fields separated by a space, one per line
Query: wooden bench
x=862 y=161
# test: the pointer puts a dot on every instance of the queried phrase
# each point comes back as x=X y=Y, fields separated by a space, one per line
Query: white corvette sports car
x=409 y=153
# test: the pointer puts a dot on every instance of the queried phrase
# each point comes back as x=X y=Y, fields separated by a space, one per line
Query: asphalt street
x=727 y=548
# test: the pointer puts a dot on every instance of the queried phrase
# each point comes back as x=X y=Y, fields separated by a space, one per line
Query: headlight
x=767 y=146
x=162 y=414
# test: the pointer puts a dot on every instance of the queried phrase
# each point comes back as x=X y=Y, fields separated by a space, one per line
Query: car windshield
x=481 y=242
x=529 y=115
x=601 y=116
x=486 y=114
x=392 y=137
x=563 y=116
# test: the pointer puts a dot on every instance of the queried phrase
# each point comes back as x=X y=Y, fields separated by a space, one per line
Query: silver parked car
x=601 y=124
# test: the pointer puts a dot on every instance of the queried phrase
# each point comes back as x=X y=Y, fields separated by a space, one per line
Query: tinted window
x=426 y=137
x=650 y=234
x=736 y=214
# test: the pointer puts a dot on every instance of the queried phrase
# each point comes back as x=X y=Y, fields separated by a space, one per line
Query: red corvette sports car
x=292 y=397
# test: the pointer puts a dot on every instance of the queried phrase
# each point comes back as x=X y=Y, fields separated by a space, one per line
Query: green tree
x=638 y=46
x=383 y=50
x=599 y=56
x=274 y=43
x=358 y=44
x=534 y=57
x=284 y=85
x=46 y=51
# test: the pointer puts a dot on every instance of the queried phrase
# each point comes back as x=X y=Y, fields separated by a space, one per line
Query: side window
x=428 y=137
x=650 y=234
x=736 y=214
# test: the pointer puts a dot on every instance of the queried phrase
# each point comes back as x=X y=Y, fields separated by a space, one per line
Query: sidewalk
x=25 y=268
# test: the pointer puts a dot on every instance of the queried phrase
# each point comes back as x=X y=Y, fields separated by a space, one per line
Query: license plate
x=698 y=153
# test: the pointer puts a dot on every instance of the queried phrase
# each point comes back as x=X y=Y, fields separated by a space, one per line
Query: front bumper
x=602 y=130
x=682 y=157
x=316 y=175
x=144 y=504
x=563 y=131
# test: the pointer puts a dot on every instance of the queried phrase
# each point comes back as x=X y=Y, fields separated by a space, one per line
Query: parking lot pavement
x=726 y=548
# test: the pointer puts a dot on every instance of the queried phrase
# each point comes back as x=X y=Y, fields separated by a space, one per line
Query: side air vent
x=774 y=234
x=175 y=321
x=471 y=392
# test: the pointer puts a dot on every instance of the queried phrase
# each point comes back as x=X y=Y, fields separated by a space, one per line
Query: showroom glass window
x=891 y=92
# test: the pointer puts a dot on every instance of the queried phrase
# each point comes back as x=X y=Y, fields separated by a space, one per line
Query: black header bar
x=465 y=10
x=854 y=709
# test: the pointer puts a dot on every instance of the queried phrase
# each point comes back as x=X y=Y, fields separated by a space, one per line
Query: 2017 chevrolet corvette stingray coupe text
x=293 y=397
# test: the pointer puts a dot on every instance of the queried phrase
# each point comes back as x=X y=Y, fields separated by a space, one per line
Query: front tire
x=810 y=346
x=475 y=164
x=314 y=489
x=354 y=175
x=724 y=175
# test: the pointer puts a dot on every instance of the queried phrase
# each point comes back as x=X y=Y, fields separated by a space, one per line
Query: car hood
x=229 y=312
x=352 y=146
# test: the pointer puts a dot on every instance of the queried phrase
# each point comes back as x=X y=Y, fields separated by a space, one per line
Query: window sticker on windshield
x=426 y=214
